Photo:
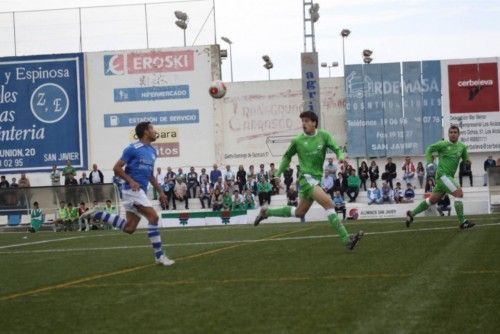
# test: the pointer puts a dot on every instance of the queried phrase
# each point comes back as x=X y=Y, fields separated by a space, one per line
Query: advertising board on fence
x=42 y=112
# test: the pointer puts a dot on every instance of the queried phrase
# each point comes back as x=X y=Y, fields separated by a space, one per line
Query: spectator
x=275 y=181
x=429 y=185
x=160 y=178
x=490 y=162
x=171 y=181
x=72 y=218
x=465 y=169
x=251 y=185
x=398 y=193
x=168 y=189
x=251 y=176
x=431 y=168
x=205 y=194
x=340 y=183
x=24 y=182
x=61 y=216
x=374 y=195
x=238 y=201
x=420 y=174
x=13 y=183
x=215 y=173
x=249 y=200
x=55 y=176
x=331 y=167
x=71 y=181
x=84 y=179
x=229 y=178
x=387 y=193
x=85 y=222
x=192 y=183
x=338 y=201
x=409 y=170
x=227 y=201
x=353 y=183
x=327 y=184
x=292 y=197
x=409 y=194
x=3 y=182
x=180 y=193
x=96 y=176
x=36 y=218
x=262 y=173
x=180 y=175
x=220 y=185
x=94 y=224
x=204 y=177
x=68 y=172
x=444 y=205
x=288 y=176
x=241 y=178
x=217 y=200
x=264 y=190
x=363 y=173
x=390 y=172
x=373 y=171
x=109 y=208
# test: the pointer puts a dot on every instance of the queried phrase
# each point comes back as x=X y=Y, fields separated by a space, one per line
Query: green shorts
x=306 y=187
x=445 y=185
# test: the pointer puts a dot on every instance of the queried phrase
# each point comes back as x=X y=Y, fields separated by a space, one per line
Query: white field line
x=39 y=242
x=225 y=242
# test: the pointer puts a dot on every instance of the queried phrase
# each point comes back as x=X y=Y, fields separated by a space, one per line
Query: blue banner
x=413 y=102
x=431 y=110
x=155 y=117
x=151 y=93
x=374 y=111
x=355 y=111
x=42 y=112
x=394 y=121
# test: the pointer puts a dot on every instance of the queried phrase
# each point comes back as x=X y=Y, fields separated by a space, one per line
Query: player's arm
x=161 y=195
x=332 y=145
x=436 y=147
x=287 y=158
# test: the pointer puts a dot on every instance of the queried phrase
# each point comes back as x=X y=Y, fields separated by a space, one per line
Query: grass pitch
x=276 y=278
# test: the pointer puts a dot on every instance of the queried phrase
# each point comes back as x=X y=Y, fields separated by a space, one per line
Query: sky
x=396 y=30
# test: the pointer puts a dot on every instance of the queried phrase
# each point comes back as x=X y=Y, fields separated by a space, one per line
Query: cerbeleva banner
x=168 y=87
x=42 y=112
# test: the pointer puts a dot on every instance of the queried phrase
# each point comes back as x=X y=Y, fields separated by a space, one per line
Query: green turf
x=287 y=278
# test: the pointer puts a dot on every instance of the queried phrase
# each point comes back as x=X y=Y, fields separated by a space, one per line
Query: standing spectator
x=353 y=184
x=431 y=169
x=373 y=171
x=24 y=182
x=181 y=176
x=68 y=171
x=429 y=185
x=387 y=193
x=36 y=218
x=390 y=172
x=13 y=183
x=160 y=178
x=216 y=200
x=487 y=164
x=227 y=201
x=398 y=193
x=229 y=177
x=205 y=194
x=262 y=173
x=327 y=184
x=192 y=183
x=374 y=194
x=55 y=176
x=251 y=176
x=339 y=202
x=340 y=183
x=444 y=204
x=409 y=170
x=241 y=178
x=264 y=190
x=420 y=174
x=96 y=176
x=409 y=194
x=204 y=177
x=331 y=167
x=288 y=176
x=465 y=170
x=84 y=179
x=249 y=200
x=292 y=197
x=363 y=173
x=215 y=173
x=171 y=181
x=3 y=182
x=180 y=193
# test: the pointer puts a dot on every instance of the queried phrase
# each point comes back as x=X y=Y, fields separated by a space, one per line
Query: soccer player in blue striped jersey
x=136 y=167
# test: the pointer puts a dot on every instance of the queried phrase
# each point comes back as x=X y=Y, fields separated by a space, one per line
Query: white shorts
x=131 y=198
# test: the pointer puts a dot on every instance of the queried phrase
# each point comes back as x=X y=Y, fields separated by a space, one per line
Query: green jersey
x=449 y=156
x=311 y=150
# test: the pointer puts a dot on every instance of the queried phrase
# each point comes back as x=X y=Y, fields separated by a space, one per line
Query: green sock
x=420 y=208
x=339 y=227
x=459 y=208
x=284 y=211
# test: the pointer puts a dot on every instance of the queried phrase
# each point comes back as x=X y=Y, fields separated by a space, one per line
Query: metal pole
x=304 y=20
x=146 y=20
x=80 y=24
x=343 y=54
x=184 y=36
x=215 y=26
x=14 y=26
x=231 y=59
x=268 y=74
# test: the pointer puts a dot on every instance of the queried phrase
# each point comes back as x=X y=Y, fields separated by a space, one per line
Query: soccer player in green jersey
x=449 y=152
x=311 y=147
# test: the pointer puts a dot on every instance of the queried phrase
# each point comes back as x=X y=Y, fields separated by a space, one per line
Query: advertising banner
x=413 y=104
x=310 y=82
x=167 y=87
x=355 y=111
x=432 y=124
x=42 y=112
x=374 y=110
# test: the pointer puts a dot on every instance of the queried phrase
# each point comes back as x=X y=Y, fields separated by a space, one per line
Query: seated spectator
x=61 y=217
x=408 y=170
x=373 y=171
x=490 y=162
x=180 y=193
x=274 y=180
x=374 y=195
x=13 y=183
x=387 y=193
x=251 y=185
x=338 y=201
x=398 y=193
x=24 y=182
x=227 y=201
x=340 y=183
x=241 y=178
x=84 y=179
x=327 y=184
x=249 y=200
x=36 y=218
x=166 y=187
x=444 y=205
x=71 y=181
x=71 y=218
x=465 y=169
x=238 y=201
x=85 y=221
x=182 y=176
x=429 y=185
x=390 y=172
x=192 y=183
x=292 y=197
x=353 y=184
x=217 y=200
x=409 y=194
x=264 y=190
x=205 y=194
x=219 y=184
x=96 y=224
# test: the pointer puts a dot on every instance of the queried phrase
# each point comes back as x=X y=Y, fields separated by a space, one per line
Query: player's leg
x=323 y=199
x=457 y=192
x=434 y=197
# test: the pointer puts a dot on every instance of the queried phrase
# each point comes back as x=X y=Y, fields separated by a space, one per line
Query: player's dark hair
x=36 y=203
x=454 y=127
x=310 y=115
x=141 y=128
